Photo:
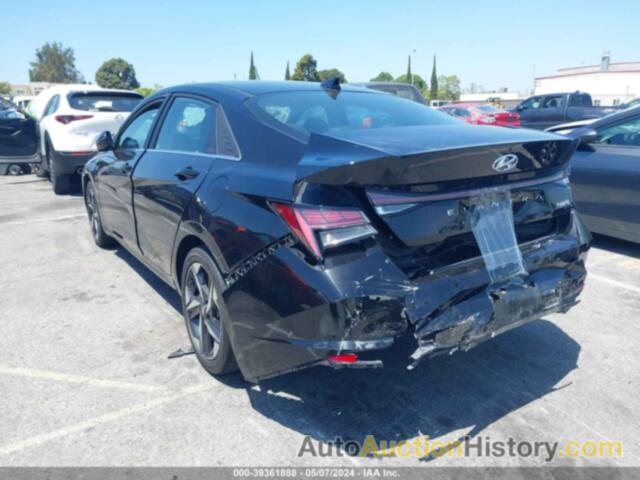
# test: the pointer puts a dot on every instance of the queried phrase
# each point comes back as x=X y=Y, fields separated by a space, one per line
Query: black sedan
x=605 y=174
x=312 y=224
x=18 y=138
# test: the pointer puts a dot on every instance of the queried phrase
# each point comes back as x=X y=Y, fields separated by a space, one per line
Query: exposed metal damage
x=458 y=306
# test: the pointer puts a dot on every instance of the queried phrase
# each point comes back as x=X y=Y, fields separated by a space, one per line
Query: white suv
x=70 y=118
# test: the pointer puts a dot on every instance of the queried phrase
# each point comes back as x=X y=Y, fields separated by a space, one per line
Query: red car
x=479 y=114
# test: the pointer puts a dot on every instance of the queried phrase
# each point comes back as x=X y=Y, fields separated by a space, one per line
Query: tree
x=287 y=73
x=54 y=64
x=306 y=69
x=147 y=91
x=117 y=73
x=382 y=77
x=253 y=71
x=409 y=76
x=418 y=81
x=332 y=72
x=449 y=87
x=5 y=88
x=433 y=91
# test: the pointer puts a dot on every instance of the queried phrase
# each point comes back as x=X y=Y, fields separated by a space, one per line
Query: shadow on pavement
x=467 y=391
x=165 y=291
x=615 y=245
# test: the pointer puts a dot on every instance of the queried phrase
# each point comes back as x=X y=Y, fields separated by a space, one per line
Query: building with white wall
x=31 y=88
x=486 y=96
x=608 y=83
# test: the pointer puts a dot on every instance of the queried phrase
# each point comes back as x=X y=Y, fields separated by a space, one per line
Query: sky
x=489 y=43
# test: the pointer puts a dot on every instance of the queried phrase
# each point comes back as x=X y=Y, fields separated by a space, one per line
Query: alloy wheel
x=203 y=314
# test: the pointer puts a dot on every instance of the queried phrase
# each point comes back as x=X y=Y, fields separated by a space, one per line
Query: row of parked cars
x=310 y=224
x=56 y=133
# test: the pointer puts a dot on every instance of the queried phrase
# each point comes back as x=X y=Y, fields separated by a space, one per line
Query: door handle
x=186 y=173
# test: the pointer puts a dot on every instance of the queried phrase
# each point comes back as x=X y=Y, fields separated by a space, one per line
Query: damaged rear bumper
x=288 y=315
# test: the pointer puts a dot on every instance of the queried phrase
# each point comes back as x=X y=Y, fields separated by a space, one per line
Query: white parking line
x=108 y=417
x=41 y=220
x=77 y=379
x=615 y=283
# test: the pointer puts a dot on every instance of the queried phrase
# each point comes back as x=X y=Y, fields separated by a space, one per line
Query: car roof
x=376 y=84
x=617 y=115
x=250 y=88
x=80 y=87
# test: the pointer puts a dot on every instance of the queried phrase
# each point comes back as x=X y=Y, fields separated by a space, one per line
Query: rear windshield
x=319 y=112
x=104 y=102
x=399 y=90
x=579 y=100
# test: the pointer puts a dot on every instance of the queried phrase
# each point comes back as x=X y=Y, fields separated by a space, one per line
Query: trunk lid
x=507 y=118
x=417 y=184
x=431 y=158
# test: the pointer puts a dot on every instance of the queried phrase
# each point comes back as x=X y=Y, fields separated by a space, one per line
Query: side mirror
x=519 y=108
x=587 y=136
x=104 y=142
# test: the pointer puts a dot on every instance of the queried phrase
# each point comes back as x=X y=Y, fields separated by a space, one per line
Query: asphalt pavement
x=85 y=379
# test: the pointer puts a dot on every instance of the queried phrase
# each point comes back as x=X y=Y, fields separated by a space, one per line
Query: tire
x=14 y=170
x=38 y=170
x=206 y=313
x=95 y=223
x=60 y=183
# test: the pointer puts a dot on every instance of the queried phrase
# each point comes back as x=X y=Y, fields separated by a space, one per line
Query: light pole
x=412 y=52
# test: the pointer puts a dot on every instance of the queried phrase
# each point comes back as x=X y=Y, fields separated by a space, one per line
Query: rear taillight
x=322 y=228
x=67 y=119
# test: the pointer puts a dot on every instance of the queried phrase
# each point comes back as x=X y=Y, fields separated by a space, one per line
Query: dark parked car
x=311 y=224
x=18 y=139
x=404 y=90
x=605 y=175
x=544 y=111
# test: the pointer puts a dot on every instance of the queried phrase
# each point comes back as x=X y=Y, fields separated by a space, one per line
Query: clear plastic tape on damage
x=463 y=310
x=491 y=219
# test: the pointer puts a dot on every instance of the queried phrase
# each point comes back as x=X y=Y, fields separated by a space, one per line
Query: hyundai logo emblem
x=505 y=163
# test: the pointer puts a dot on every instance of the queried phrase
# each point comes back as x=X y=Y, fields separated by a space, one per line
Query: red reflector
x=345 y=358
x=67 y=119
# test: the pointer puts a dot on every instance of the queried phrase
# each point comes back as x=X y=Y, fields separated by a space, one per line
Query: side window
x=136 y=133
x=52 y=106
x=189 y=127
x=314 y=119
x=225 y=139
x=579 y=100
x=554 y=101
x=531 y=104
x=626 y=133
